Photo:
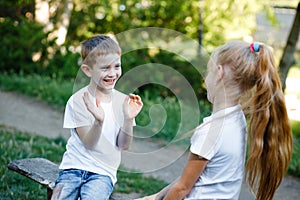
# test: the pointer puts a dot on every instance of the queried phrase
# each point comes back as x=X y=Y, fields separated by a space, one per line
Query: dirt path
x=33 y=116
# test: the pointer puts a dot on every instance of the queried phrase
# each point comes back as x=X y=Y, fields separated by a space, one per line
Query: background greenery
x=33 y=63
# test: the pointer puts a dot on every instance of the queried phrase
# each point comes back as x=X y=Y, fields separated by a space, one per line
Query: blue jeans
x=74 y=184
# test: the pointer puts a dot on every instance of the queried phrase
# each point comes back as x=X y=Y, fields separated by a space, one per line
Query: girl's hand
x=94 y=108
x=151 y=197
x=132 y=106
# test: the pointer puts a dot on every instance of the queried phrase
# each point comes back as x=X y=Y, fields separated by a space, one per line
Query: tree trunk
x=63 y=20
x=287 y=59
x=42 y=12
x=200 y=26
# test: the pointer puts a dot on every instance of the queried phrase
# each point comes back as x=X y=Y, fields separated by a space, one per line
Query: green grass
x=137 y=183
x=54 y=91
x=295 y=128
x=294 y=167
x=17 y=145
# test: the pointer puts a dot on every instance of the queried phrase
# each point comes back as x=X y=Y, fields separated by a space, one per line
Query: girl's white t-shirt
x=221 y=139
x=106 y=157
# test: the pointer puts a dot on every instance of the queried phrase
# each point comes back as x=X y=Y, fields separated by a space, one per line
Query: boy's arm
x=90 y=136
x=131 y=107
x=125 y=134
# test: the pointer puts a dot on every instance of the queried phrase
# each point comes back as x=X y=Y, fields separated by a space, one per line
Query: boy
x=101 y=121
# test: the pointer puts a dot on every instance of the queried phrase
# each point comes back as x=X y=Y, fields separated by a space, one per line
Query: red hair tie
x=254 y=47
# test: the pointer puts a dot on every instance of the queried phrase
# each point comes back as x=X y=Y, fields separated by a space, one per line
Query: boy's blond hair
x=98 y=45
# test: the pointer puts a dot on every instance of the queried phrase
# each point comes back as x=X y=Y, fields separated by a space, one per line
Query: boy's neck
x=103 y=95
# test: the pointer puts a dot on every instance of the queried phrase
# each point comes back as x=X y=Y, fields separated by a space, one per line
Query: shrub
x=20 y=41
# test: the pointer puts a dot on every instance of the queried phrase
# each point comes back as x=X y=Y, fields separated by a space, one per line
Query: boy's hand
x=95 y=110
x=132 y=106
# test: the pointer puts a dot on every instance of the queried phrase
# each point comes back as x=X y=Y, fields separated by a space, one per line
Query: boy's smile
x=109 y=81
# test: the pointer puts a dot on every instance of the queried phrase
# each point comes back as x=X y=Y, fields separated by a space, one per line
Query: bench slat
x=37 y=169
x=45 y=173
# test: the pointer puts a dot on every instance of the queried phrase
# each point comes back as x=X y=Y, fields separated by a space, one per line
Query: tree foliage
x=111 y=16
x=22 y=43
x=16 y=9
x=222 y=20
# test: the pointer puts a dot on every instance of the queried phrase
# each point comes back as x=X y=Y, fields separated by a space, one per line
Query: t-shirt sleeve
x=76 y=114
x=134 y=123
x=204 y=144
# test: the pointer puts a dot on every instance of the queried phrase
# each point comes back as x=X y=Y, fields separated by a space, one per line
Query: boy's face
x=106 y=71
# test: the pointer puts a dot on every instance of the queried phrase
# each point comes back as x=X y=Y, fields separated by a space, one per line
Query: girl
x=215 y=168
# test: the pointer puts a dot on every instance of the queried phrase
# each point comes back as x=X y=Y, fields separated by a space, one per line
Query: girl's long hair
x=270 y=135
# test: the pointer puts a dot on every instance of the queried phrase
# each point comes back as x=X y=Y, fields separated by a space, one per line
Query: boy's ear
x=86 y=70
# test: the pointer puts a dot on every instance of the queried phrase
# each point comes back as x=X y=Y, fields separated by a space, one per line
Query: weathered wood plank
x=40 y=170
x=45 y=173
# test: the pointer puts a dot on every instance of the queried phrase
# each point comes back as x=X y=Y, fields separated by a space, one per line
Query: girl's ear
x=221 y=72
x=86 y=70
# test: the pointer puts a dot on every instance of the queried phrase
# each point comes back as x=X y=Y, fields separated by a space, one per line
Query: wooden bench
x=45 y=173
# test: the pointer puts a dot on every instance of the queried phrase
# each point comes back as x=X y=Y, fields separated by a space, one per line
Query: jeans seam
x=84 y=177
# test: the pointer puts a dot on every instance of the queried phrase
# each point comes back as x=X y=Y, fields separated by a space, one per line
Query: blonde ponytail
x=270 y=132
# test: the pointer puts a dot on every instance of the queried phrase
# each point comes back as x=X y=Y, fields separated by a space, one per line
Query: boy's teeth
x=109 y=81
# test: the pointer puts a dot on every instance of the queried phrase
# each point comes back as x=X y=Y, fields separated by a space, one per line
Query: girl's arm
x=184 y=184
x=160 y=195
x=193 y=169
x=131 y=107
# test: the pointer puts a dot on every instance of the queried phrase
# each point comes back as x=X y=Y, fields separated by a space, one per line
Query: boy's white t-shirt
x=106 y=157
x=221 y=139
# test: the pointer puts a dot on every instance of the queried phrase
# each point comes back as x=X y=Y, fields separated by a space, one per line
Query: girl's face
x=106 y=71
x=210 y=80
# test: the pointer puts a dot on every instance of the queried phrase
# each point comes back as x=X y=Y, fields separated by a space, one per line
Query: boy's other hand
x=94 y=108
x=132 y=106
